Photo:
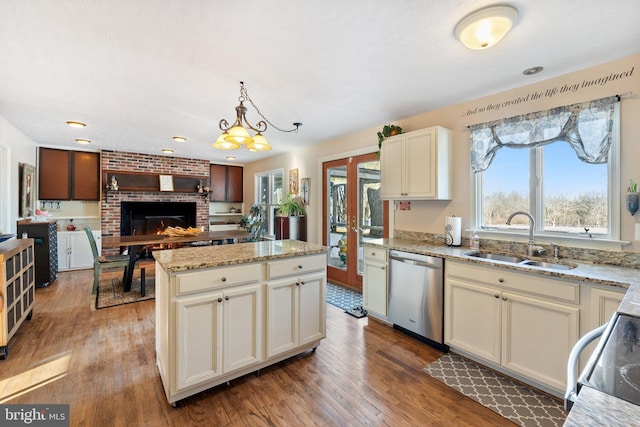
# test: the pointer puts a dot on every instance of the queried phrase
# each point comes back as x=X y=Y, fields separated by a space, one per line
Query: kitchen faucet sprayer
x=533 y=250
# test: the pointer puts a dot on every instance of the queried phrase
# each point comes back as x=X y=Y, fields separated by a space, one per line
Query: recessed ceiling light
x=532 y=70
x=76 y=124
x=167 y=150
x=179 y=139
x=83 y=141
x=231 y=157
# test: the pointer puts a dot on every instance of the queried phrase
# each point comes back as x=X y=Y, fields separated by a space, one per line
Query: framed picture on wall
x=305 y=184
x=166 y=182
x=27 y=190
x=293 y=181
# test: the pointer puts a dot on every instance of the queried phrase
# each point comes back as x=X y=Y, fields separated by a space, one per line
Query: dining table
x=135 y=243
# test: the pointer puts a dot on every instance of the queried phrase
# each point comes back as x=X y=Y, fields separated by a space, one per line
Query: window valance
x=586 y=127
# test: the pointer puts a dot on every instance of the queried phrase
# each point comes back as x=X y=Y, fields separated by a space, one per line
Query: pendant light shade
x=259 y=143
x=223 y=144
x=486 y=27
x=238 y=135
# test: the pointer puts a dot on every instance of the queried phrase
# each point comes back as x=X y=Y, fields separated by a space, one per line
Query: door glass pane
x=369 y=206
x=337 y=216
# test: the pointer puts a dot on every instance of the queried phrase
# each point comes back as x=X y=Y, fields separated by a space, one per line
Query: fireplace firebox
x=153 y=217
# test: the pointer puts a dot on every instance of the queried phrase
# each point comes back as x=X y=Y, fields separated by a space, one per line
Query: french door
x=353 y=213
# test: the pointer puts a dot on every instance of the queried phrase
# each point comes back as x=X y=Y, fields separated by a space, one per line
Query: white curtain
x=586 y=127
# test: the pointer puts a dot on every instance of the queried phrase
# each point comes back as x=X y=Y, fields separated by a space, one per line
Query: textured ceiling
x=139 y=72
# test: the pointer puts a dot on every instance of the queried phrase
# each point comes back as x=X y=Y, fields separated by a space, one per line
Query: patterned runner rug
x=111 y=293
x=346 y=299
x=514 y=401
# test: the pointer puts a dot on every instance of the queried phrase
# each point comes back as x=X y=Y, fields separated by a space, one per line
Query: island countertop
x=194 y=258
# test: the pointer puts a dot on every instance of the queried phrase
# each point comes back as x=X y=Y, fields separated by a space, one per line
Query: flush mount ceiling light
x=167 y=150
x=486 y=27
x=179 y=139
x=231 y=157
x=76 y=124
x=235 y=134
x=83 y=141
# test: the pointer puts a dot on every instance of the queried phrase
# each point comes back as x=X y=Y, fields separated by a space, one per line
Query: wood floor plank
x=363 y=374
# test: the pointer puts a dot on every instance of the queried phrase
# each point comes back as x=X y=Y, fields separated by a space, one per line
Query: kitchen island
x=225 y=311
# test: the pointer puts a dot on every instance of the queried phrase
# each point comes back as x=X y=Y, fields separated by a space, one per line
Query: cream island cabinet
x=522 y=324
x=226 y=311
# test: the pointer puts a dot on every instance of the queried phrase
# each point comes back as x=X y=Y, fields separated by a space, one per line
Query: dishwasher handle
x=414 y=262
x=572 y=363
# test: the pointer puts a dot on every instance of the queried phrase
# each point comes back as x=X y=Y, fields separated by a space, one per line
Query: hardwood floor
x=102 y=363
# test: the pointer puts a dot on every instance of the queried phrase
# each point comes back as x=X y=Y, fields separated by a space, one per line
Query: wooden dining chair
x=104 y=262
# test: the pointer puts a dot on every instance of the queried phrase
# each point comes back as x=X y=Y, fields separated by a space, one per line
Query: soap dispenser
x=475 y=241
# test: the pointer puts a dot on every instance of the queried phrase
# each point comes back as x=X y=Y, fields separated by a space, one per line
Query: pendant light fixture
x=486 y=27
x=235 y=135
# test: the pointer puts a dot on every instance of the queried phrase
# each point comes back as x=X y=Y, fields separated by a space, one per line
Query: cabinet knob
x=300 y=266
x=382 y=267
x=501 y=280
x=219 y=299
x=226 y=298
x=373 y=254
x=297 y=283
x=224 y=279
x=302 y=282
x=504 y=298
x=497 y=296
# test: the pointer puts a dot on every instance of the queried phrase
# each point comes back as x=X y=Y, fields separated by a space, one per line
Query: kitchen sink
x=495 y=257
x=545 y=264
x=514 y=259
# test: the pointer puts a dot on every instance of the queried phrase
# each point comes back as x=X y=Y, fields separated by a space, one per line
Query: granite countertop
x=592 y=407
x=199 y=257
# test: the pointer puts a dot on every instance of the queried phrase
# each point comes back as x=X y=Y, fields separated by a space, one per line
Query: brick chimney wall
x=119 y=161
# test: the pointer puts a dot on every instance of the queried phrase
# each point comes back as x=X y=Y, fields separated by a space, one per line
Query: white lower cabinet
x=295 y=312
x=374 y=282
x=217 y=324
x=74 y=251
x=525 y=324
x=225 y=327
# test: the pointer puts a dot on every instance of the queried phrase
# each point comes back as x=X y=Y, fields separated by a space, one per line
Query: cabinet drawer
x=210 y=279
x=537 y=284
x=298 y=265
x=377 y=254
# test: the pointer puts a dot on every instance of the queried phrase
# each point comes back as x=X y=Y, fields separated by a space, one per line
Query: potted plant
x=292 y=208
x=386 y=132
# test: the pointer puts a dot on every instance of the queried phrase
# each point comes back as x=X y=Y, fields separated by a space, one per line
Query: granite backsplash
x=594 y=256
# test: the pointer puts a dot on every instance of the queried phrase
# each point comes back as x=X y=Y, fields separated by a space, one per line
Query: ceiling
x=140 y=72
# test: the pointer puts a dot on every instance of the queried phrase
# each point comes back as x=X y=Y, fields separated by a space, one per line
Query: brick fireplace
x=118 y=161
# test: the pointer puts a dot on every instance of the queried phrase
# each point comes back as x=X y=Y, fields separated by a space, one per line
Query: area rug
x=348 y=300
x=514 y=401
x=111 y=293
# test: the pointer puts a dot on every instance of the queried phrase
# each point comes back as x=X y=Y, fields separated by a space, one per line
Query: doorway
x=353 y=213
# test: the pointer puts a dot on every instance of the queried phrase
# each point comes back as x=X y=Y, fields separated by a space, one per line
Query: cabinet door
x=602 y=304
x=374 y=290
x=472 y=319
x=218 y=184
x=234 y=184
x=63 y=252
x=282 y=314
x=85 y=172
x=242 y=336
x=53 y=173
x=537 y=337
x=311 y=311
x=80 y=251
x=198 y=339
x=391 y=168
x=420 y=164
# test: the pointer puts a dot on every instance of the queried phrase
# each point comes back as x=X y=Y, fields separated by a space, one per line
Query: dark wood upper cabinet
x=225 y=183
x=68 y=175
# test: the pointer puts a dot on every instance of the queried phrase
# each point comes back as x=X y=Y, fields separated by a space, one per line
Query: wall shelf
x=150 y=182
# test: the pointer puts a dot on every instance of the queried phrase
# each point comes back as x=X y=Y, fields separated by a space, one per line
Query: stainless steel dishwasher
x=416 y=296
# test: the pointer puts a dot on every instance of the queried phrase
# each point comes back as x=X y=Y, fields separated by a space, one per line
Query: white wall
x=429 y=216
x=16 y=148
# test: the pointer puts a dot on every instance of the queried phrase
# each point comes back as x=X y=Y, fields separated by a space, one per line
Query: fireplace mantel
x=150 y=182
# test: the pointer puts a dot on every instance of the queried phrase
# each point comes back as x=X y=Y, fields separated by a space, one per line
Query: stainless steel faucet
x=533 y=249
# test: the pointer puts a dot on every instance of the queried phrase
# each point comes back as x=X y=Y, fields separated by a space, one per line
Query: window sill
x=546 y=239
